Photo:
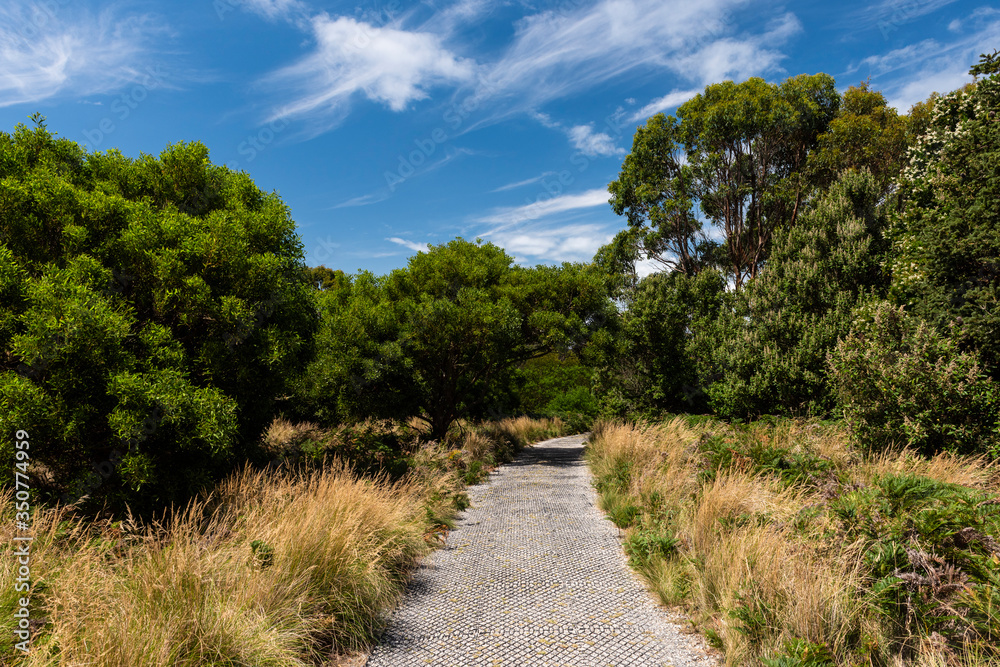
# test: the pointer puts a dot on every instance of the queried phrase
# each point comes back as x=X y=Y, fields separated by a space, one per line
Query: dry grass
x=972 y=471
x=753 y=560
x=271 y=570
x=288 y=567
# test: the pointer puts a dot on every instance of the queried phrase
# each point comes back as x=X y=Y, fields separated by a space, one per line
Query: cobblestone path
x=533 y=574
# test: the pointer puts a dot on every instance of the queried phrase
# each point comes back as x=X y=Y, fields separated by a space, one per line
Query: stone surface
x=533 y=574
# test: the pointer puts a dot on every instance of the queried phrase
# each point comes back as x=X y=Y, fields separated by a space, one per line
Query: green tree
x=651 y=358
x=737 y=151
x=946 y=238
x=323 y=278
x=441 y=337
x=771 y=358
x=867 y=134
x=548 y=378
x=151 y=310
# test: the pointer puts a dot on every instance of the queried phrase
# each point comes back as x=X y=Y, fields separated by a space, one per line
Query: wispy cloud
x=563 y=243
x=910 y=74
x=521 y=184
x=385 y=64
x=554 y=55
x=364 y=200
x=48 y=50
x=270 y=9
x=416 y=247
x=739 y=58
x=889 y=15
x=671 y=100
x=507 y=216
x=582 y=137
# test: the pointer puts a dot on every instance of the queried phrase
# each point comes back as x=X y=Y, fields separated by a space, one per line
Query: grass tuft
x=789 y=547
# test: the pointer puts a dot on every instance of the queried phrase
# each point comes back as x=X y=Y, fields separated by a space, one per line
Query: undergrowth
x=791 y=548
x=286 y=565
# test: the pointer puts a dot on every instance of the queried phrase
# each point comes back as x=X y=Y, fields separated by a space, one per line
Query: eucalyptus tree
x=733 y=157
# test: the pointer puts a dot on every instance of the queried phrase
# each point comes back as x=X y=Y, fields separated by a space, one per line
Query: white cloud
x=731 y=58
x=910 y=74
x=557 y=54
x=387 y=65
x=591 y=143
x=519 y=184
x=415 y=247
x=364 y=200
x=45 y=52
x=671 y=100
x=582 y=137
x=889 y=15
x=566 y=243
x=544 y=207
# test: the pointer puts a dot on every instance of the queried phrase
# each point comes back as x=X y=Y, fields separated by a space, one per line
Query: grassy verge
x=285 y=566
x=788 y=547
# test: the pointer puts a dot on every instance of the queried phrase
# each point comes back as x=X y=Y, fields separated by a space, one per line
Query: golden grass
x=972 y=471
x=747 y=566
x=287 y=567
x=194 y=590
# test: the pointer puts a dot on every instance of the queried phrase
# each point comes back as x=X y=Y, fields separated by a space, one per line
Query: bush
x=654 y=358
x=577 y=408
x=901 y=383
x=772 y=355
x=151 y=311
x=946 y=239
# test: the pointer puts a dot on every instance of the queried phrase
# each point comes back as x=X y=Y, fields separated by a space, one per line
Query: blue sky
x=389 y=124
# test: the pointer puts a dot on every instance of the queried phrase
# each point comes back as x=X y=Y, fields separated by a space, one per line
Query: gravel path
x=533 y=574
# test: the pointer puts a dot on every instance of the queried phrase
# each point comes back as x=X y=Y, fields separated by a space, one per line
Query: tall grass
x=270 y=570
x=746 y=528
x=286 y=566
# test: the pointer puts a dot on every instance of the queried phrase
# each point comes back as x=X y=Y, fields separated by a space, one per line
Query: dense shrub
x=946 y=240
x=653 y=357
x=772 y=349
x=151 y=310
x=901 y=382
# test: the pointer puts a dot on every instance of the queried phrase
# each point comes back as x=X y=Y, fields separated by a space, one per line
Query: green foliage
x=647 y=544
x=929 y=551
x=548 y=378
x=801 y=653
x=653 y=357
x=900 y=382
x=263 y=553
x=946 y=238
x=577 y=408
x=755 y=618
x=743 y=145
x=323 y=278
x=744 y=448
x=773 y=347
x=866 y=134
x=151 y=310
x=623 y=515
x=441 y=338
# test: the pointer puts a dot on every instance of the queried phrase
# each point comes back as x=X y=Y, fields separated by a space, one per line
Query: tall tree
x=737 y=151
x=865 y=134
x=946 y=238
x=772 y=348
